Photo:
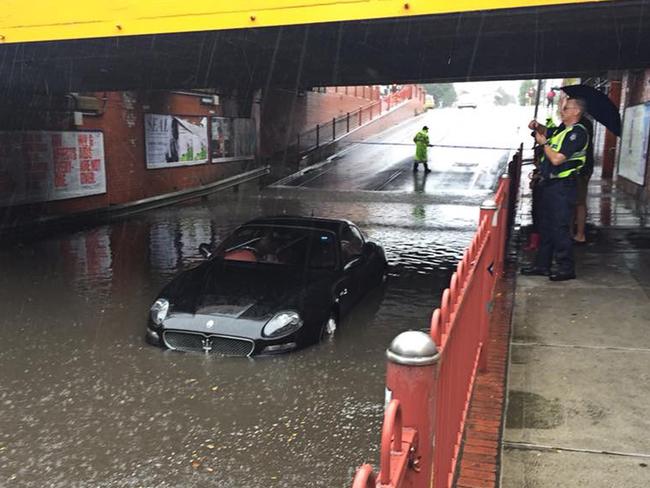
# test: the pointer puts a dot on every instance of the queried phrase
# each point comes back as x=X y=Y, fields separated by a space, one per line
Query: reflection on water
x=86 y=403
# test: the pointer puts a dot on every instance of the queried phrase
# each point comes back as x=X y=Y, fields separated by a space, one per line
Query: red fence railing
x=431 y=377
x=331 y=130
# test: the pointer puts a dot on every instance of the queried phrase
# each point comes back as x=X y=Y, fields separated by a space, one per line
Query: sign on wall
x=175 y=141
x=634 y=143
x=232 y=139
x=39 y=166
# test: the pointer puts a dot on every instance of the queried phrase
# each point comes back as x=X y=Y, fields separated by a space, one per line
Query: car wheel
x=329 y=327
x=384 y=274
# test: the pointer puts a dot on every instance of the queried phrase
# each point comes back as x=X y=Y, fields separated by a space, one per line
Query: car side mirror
x=205 y=250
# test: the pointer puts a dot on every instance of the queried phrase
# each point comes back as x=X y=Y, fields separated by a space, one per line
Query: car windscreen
x=292 y=246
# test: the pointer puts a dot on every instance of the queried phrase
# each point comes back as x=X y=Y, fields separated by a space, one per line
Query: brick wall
x=127 y=178
x=121 y=120
x=285 y=113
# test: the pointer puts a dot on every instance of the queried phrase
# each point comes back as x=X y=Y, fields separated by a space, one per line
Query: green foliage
x=526 y=87
x=444 y=94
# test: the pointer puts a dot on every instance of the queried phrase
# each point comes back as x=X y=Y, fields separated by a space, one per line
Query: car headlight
x=282 y=324
x=159 y=311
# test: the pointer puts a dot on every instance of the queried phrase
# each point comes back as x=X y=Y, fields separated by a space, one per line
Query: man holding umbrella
x=564 y=154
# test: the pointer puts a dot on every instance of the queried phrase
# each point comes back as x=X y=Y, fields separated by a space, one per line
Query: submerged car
x=274 y=285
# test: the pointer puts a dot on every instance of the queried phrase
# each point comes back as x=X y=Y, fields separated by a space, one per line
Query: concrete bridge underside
x=548 y=41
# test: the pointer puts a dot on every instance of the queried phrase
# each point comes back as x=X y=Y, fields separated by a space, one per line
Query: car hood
x=242 y=290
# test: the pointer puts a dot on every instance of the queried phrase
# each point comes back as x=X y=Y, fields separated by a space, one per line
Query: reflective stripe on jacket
x=573 y=163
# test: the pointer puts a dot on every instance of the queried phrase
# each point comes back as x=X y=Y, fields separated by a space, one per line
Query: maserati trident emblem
x=209 y=324
x=206 y=344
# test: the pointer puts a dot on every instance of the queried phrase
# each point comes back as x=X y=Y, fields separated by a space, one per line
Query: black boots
x=535 y=271
x=426 y=167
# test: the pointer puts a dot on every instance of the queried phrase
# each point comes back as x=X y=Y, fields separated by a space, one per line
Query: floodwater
x=85 y=402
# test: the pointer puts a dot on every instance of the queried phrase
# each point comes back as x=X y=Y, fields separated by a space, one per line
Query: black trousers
x=558 y=199
x=537 y=207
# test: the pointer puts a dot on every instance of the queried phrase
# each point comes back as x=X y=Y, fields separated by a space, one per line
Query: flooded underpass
x=85 y=402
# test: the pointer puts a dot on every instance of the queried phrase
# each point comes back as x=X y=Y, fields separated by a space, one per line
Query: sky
x=484 y=90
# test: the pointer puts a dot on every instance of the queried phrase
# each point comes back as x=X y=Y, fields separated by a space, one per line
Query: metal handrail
x=459 y=331
x=391 y=431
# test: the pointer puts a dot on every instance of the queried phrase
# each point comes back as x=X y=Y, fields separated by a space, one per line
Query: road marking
x=393 y=176
x=579 y=346
x=327 y=170
x=526 y=446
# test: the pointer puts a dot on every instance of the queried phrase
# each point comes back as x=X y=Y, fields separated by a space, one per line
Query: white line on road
x=579 y=346
x=393 y=176
x=525 y=446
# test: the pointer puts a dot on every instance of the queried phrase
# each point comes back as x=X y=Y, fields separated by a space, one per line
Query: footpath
x=578 y=388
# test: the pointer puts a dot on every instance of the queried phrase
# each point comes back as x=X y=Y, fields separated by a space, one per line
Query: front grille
x=212 y=344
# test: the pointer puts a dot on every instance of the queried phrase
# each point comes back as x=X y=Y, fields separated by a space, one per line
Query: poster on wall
x=232 y=139
x=175 y=141
x=40 y=166
x=634 y=143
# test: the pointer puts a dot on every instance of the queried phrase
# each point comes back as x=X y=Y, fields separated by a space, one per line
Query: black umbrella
x=599 y=106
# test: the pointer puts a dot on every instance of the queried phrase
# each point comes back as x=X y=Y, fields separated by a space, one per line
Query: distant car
x=429 y=102
x=466 y=104
x=274 y=285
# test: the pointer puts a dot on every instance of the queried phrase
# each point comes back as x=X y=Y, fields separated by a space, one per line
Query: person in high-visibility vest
x=534 y=236
x=421 y=140
x=565 y=153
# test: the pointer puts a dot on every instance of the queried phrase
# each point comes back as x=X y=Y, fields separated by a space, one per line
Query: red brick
x=481 y=442
x=489 y=451
x=474 y=483
x=480 y=475
x=483 y=467
x=481 y=449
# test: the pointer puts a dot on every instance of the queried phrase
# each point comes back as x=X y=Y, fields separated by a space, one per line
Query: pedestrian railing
x=329 y=131
x=430 y=377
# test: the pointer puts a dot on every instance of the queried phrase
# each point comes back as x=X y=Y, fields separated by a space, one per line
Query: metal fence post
x=298 y=147
x=488 y=210
x=504 y=214
x=333 y=128
x=365 y=478
x=347 y=121
x=360 y=116
x=412 y=378
x=317 y=135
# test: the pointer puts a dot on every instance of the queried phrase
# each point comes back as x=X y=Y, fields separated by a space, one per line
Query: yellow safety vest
x=575 y=162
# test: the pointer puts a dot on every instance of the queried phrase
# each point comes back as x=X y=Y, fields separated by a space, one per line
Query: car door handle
x=343 y=292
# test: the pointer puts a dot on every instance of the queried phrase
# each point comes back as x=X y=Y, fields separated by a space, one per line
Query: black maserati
x=274 y=285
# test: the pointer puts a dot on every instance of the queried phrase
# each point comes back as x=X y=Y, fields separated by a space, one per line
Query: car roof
x=295 y=221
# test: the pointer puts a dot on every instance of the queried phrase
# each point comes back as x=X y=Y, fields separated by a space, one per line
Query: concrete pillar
x=609 y=149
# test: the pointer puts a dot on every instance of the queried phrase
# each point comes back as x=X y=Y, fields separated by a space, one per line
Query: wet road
x=84 y=402
x=384 y=162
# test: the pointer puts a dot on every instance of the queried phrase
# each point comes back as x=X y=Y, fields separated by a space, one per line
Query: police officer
x=421 y=140
x=565 y=150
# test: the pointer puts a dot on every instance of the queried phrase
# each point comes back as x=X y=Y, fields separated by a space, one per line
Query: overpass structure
x=51 y=46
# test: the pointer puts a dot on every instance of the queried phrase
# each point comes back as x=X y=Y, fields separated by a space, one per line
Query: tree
x=443 y=93
x=527 y=92
x=502 y=97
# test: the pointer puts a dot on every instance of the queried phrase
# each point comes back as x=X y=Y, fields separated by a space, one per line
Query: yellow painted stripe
x=44 y=20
